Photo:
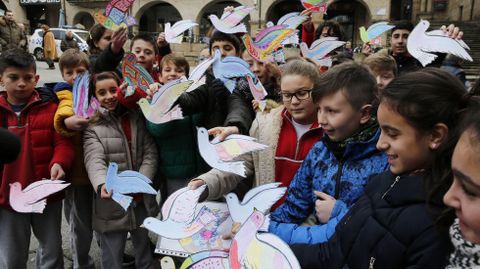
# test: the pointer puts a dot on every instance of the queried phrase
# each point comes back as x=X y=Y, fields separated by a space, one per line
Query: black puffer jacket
x=389 y=227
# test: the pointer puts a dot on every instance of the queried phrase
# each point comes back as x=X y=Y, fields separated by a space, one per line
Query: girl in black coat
x=393 y=225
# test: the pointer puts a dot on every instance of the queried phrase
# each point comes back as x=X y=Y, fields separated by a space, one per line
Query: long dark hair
x=426 y=98
x=95 y=34
x=94 y=78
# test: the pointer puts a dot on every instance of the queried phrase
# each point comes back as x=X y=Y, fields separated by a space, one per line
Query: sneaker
x=128 y=260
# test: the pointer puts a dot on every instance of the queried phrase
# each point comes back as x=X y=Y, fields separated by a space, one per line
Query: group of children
x=366 y=156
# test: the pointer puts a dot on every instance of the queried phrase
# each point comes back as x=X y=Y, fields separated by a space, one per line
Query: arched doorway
x=215 y=8
x=155 y=16
x=282 y=7
x=400 y=10
x=351 y=15
x=85 y=19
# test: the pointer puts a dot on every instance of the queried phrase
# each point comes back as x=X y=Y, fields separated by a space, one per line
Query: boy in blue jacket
x=338 y=167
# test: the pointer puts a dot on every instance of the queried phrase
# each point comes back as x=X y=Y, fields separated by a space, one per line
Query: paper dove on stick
x=32 y=199
x=374 y=31
x=125 y=183
x=179 y=220
x=422 y=44
x=231 y=21
x=220 y=155
x=160 y=109
x=174 y=34
x=320 y=48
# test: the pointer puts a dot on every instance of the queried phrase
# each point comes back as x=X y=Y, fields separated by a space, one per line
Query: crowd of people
x=378 y=152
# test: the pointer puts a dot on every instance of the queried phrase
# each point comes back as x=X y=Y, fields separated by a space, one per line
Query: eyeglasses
x=300 y=95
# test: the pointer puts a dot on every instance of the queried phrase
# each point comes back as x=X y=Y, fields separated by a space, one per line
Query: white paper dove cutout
x=160 y=109
x=422 y=45
x=174 y=34
x=229 y=68
x=292 y=20
x=374 y=31
x=197 y=75
x=258 y=91
x=260 y=198
x=125 y=183
x=220 y=155
x=32 y=199
x=320 y=48
x=231 y=21
x=251 y=249
x=179 y=221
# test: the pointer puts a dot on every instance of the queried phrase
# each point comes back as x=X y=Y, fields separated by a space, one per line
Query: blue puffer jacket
x=343 y=179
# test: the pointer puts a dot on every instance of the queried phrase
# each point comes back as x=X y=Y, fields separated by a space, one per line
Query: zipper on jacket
x=391 y=186
x=372 y=262
x=338 y=176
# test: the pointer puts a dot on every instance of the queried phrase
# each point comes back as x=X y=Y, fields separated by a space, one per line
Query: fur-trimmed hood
x=3 y=22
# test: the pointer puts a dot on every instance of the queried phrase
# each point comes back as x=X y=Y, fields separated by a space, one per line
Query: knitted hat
x=220 y=36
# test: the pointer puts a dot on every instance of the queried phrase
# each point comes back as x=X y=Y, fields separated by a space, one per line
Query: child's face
x=338 y=118
x=70 y=73
x=464 y=194
x=225 y=47
x=384 y=78
x=104 y=40
x=19 y=84
x=145 y=53
x=406 y=148
x=258 y=68
x=399 y=41
x=171 y=72
x=303 y=111
x=106 y=93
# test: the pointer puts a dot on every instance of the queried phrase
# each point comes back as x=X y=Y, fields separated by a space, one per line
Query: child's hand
x=119 y=37
x=308 y=24
x=76 y=123
x=235 y=228
x=104 y=193
x=228 y=9
x=123 y=88
x=366 y=49
x=452 y=31
x=195 y=183
x=57 y=172
x=152 y=89
x=161 y=40
x=255 y=105
x=222 y=132
x=324 y=206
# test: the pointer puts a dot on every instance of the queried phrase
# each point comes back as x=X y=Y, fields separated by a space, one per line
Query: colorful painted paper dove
x=32 y=199
x=180 y=220
x=320 y=48
x=126 y=182
x=174 y=34
x=116 y=15
x=316 y=5
x=209 y=259
x=266 y=41
x=260 y=250
x=231 y=21
x=229 y=68
x=160 y=109
x=374 y=31
x=81 y=105
x=220 y=155
x=197 y=75
x=422 y=45
x=292 y=20
x=258 y=91
x=135 y=74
